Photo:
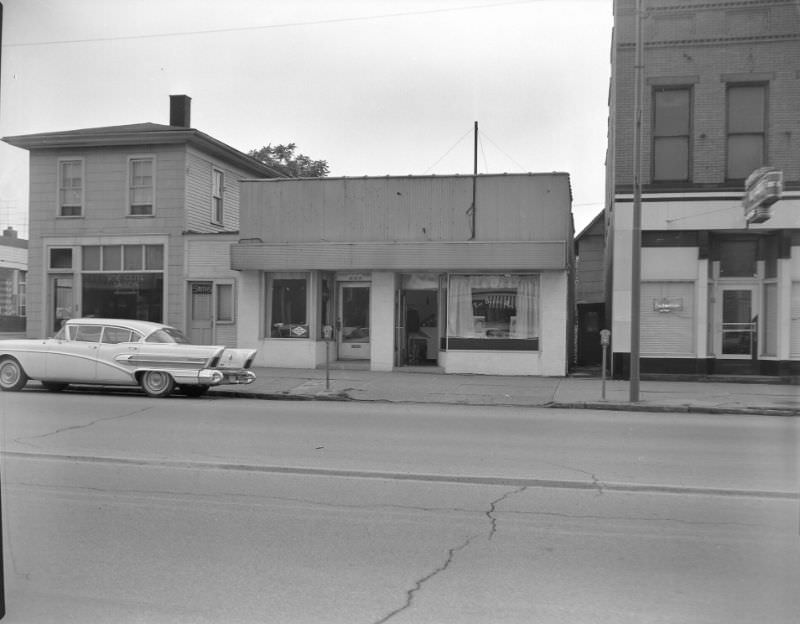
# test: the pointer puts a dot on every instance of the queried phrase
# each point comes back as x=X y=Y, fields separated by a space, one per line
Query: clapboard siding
x=209 y=256
x=198 y=193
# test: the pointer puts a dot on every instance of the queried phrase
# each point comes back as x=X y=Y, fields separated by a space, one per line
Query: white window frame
x=129 y=198
x=60 y=205
x=217 y=196
x=217 y=318
x=270 y=279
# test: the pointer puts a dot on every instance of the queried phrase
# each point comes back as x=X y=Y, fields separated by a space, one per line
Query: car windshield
x=167 y=334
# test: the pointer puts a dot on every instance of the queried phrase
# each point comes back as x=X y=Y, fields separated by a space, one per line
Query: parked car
x=114 y=352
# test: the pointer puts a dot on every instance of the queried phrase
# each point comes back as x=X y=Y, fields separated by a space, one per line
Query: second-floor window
x=141 y=187
x=671 y=134
x=70 y=188
x=747 y=113
x=217 y=191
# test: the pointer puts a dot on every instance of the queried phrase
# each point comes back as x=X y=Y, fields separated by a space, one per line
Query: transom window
x=70 y=188
x=747 y=111
x=141 y=188
x=671 y=133
x=123 y=258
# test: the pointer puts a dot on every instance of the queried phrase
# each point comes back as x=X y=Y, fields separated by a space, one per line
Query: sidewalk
x=421 y=385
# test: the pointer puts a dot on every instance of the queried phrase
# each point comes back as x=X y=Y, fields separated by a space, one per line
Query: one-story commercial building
x=470 y=274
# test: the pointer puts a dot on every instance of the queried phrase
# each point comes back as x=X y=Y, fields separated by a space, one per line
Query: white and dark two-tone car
x=114 y=352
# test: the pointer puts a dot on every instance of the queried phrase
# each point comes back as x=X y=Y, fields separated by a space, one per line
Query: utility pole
x=2 y=579
x=474 y=179
x=636 y=234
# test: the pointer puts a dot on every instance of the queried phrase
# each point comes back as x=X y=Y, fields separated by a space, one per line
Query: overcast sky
x=375 y=87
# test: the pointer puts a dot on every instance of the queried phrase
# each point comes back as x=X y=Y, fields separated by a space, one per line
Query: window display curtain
x=460 y=322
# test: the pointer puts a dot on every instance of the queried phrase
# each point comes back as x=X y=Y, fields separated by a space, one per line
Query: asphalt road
x=120 y=508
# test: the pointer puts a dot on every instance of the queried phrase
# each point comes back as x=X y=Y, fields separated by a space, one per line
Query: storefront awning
x=380 y=256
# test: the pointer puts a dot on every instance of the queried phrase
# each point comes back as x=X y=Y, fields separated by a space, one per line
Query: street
x=120 y=508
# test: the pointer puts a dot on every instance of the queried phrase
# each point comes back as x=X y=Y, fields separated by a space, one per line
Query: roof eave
x=56 y=140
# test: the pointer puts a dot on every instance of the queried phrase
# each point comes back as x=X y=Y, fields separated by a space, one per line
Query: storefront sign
x=763 y=188
x=353 y=277
x=668 y=304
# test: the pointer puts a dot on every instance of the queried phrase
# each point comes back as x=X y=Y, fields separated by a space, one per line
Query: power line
x=448 y=151
x=337 y=20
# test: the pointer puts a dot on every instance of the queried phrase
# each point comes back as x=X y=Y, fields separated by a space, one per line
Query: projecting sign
x=763 y=188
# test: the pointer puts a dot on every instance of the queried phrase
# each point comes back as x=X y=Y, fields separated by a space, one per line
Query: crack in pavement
x=22 y=440
x=420 y=582
x=451 y=555
x=493 y=508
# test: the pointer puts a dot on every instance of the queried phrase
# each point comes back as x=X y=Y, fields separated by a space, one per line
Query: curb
x=342 y=396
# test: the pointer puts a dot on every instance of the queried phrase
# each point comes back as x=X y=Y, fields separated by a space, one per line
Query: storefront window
x=123 y=281
x=289 y=307
x=123 y=295
x=486 y=307
x=12 y=300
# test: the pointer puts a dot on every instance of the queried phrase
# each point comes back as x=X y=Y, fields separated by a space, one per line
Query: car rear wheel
x=157 y=383
x=12 y=376
x=54 y=386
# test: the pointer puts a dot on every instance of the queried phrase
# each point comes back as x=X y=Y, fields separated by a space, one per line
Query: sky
x=375 y=87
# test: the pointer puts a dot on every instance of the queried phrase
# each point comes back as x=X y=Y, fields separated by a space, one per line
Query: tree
x=283 y=159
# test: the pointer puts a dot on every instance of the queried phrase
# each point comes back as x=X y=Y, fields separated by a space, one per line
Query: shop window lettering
x=493 y=306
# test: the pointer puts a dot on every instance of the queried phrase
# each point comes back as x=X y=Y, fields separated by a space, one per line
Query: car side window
x=87 y=333
x=116 y=335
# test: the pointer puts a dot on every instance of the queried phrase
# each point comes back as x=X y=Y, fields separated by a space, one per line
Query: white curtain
x=527 y=325
x=460 y=319
x=459 y=307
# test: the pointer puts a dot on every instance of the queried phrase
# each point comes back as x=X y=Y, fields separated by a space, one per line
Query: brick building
x=721 y=82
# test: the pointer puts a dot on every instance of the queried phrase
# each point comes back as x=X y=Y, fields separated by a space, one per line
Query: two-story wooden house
x=135 y=221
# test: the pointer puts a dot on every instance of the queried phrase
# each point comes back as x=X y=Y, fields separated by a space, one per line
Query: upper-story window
x=70 y=188
x=217 y=192
x=671 y=133
x=141 y=188
x=747 y=113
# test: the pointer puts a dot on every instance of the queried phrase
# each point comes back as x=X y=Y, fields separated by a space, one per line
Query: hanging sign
x=762 y=188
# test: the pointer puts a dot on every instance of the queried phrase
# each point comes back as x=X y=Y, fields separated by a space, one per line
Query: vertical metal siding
x=520 y=208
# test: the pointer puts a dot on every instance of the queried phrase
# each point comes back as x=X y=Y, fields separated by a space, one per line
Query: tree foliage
x=284 y=158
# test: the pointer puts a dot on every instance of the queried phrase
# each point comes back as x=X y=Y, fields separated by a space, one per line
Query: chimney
x=180 y=111
x=9 y=232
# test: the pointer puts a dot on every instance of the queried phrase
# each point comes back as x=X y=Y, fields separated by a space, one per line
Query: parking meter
x=605 y=337
x=605 y=341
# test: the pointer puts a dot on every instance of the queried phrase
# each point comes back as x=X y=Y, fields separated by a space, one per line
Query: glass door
x=738 y=322
x=201 y=323
x=62 y=300
x=353 y=321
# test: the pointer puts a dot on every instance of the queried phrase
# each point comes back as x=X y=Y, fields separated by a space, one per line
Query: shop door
x=738 y=323
x=591 y=319
x=201 y=322
x=400 y=338
x=353 y=321
x=63 y=302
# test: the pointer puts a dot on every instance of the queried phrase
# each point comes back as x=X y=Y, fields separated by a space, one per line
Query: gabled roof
x=141 y=134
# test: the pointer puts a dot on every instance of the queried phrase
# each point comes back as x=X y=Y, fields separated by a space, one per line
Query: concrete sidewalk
x=429 y=385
